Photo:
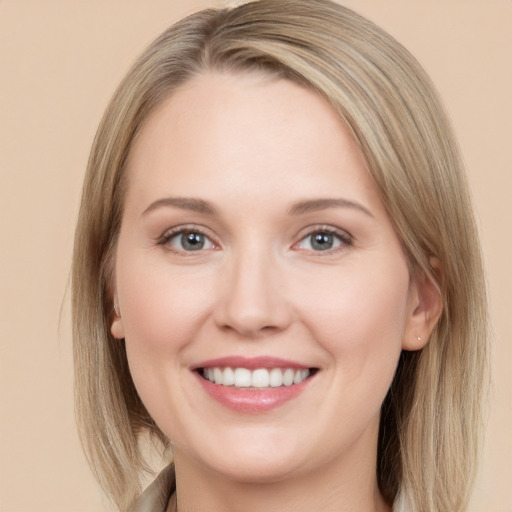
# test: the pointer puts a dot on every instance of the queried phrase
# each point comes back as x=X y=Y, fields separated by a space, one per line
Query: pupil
x=322 y=241
x=193 y=241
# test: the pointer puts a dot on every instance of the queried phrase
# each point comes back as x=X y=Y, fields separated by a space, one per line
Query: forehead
x=242 y=129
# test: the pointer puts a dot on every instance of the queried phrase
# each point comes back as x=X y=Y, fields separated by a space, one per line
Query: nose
x=253 y=299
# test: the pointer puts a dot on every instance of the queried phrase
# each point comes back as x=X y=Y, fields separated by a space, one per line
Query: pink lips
x=251 y=400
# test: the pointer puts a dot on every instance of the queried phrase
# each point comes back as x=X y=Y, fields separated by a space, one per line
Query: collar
x=156 y=497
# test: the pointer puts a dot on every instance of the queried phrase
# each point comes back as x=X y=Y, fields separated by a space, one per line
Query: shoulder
x=156 y=496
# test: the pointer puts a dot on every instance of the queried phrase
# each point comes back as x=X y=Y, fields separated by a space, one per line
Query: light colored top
x=156 y=497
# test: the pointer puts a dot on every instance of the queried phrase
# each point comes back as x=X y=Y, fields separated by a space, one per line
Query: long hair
x=431 y=417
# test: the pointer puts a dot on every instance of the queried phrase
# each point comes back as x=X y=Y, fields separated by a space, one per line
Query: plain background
x=60 y=61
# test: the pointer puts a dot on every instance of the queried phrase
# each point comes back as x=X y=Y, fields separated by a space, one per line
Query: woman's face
x=255 y=250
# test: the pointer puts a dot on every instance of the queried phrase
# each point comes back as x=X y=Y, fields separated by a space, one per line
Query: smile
x=254 y=379
x=253 y=385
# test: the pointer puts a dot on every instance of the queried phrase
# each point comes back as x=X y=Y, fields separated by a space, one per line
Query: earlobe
x=425 y=308
x=117 y=326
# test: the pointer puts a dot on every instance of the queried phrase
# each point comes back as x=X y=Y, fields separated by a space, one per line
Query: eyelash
x=166 y=238
x=345 y=239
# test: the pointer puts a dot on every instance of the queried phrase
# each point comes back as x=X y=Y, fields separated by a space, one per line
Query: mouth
x=253 y=385
x=255 y=379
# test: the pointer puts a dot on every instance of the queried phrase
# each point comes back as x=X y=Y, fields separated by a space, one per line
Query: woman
x=277 y=273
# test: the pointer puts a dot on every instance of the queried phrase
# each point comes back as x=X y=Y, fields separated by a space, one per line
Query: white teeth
x=259 y=378
x=276 y=377
x=300 y=375
x=217 y=375
x=242 y=378
x=288 y=377
x=228 y=377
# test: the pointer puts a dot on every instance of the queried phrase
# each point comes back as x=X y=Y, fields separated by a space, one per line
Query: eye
x=323 y=240
x=188 y=240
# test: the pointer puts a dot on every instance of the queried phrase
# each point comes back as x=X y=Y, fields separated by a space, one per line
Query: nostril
x=250 y=329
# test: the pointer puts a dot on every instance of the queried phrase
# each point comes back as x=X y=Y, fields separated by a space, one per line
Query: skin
x=252 y=147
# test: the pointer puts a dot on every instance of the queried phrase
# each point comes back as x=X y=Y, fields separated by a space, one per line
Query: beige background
x=59 y=63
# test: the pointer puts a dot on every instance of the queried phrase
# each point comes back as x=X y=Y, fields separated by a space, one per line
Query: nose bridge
x=253 y=299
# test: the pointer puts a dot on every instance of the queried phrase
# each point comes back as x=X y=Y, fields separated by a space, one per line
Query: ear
x=425 y=306
x=117 y=326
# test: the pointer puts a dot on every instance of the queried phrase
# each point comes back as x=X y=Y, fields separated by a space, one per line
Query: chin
x=255 y=458
x=258 y=470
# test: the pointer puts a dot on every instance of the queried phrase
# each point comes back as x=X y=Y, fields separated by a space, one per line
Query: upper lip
x=251 y=363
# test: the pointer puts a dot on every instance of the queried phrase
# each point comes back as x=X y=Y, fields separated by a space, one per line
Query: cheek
x=162 y=312
x=159 y=307
x=358 y=315
x=162 y=309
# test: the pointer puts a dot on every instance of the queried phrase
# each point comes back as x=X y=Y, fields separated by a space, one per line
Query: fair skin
x=252 y=229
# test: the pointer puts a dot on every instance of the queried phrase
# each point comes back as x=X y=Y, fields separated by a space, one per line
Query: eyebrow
x=299 y=208
x=184 y=203
x=314 y=205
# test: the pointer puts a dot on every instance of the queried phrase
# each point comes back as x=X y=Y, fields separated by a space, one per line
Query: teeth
x=228 y=377
x=260 y=378
x=300 y=376
x=242 y=378
x=217 y=375
x=288 y=377
x=276 y=377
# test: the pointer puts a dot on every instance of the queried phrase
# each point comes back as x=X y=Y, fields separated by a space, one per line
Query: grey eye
x=323 y=241
x=190 y=241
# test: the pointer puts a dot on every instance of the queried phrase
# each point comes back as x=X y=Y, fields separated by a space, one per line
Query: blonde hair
x=431 y=418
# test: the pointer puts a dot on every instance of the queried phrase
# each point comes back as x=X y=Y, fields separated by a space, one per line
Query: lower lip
x=252 y=401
